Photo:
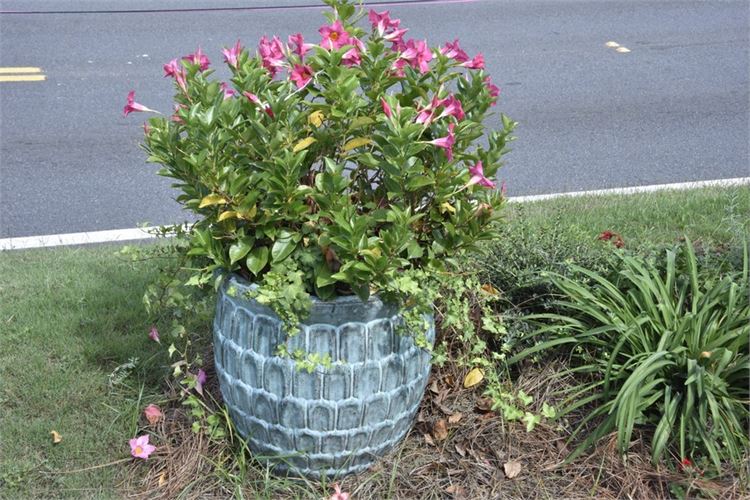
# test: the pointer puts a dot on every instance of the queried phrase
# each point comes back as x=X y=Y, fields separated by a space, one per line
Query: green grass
x=69 y=317
x=714 y=216
x=541 y=236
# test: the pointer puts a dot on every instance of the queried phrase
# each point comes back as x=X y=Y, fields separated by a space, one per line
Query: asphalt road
x=674 y=109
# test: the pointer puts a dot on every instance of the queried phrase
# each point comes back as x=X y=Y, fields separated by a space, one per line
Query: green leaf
x=257 y=260
x=282 y=248
x=548 y=411
x=239 y=250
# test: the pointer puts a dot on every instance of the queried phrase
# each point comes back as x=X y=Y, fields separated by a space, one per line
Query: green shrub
x=666 y=347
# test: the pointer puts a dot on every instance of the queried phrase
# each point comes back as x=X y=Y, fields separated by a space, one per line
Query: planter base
x=330 y=422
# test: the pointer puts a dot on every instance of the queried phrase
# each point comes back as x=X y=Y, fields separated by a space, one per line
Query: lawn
x=75 y=358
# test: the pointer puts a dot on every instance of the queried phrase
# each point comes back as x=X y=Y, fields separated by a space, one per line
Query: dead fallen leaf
x=461 y=450
x=56 y=437
x=512 y=469
x=484 y=404
x=420 y=417
x=440 y=430
x=488 y=288
x=456 y=490
x=162 y=479
x=473 y=378
x=449 y=381
x=445 y=409
x=428 y=440
x=434 y=387
x=455 y=418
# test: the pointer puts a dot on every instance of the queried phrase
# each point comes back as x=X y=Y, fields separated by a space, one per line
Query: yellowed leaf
x=355 y=143
x=212 y=199
x=490 y=289
x=705 y=354
x=455 y=418
x=447 y=207
x=440 y=430
x=316 y=118
x=229 y=214
x=512 y=469
x=162 y=479
x=249 y=214
x=56 y=437
x=304 y=144
x=473 y=378
x=360 y=121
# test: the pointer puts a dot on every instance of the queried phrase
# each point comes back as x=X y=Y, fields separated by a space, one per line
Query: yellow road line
x=22 y=78
x=20 y=70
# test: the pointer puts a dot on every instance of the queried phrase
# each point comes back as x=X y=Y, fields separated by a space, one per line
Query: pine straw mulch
x=458 y=448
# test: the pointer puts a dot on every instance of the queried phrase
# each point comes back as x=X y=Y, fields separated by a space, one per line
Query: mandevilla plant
x=333 y=168
x=357 y=165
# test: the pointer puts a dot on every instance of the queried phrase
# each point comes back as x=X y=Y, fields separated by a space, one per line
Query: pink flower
x=477 y=176
x=382 y=21
x=334 y=36
x=172 y=68
x=397 y=39
x=200 y=379
x=418 y=54
x=446 y=142
x=452 y=107
x=198 y=57
x=175 y=69
x=301 y=75
x=476 y=63
x=338 y=494
x=134 y=106
x=300 y=47
x=493 y=89
x=271 y=53
x=140 y=448
x=254 y=99
x=352 y=56
x=153 y=334
x=427 y=114
x=153 y=414
x=231 y=55
x=228 y=91
x=386 y=108
x=453 y=51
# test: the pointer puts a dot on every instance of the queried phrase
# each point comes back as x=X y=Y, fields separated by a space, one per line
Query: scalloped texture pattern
x=332 y=421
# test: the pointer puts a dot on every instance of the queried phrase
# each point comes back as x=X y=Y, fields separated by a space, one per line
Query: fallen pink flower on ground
x=338 y=494
x=140 y=448
x=153 y=334
x=152 y=413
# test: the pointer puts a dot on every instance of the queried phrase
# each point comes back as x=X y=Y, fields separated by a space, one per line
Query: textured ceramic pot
x=332 y=421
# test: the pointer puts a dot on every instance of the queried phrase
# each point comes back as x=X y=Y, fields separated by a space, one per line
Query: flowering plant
x=350 y=165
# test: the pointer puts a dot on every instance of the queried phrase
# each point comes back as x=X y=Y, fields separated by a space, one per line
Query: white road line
x=737 y=181
x=117 y=235
x=56 y=240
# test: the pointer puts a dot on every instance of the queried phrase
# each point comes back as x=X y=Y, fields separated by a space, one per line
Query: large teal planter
x=330 y=422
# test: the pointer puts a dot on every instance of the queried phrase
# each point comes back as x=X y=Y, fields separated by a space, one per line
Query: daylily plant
x=338 y=163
